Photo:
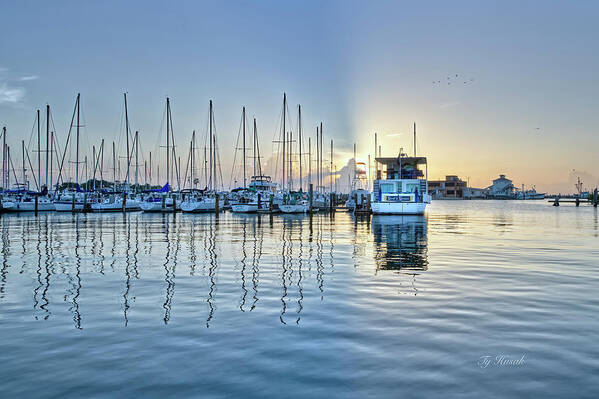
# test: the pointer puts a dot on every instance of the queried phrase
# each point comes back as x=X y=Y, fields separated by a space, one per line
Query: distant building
x=451 y=188
x=475 y=193
x=501 y=188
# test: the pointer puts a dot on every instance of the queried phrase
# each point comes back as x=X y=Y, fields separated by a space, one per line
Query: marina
x=109 y=297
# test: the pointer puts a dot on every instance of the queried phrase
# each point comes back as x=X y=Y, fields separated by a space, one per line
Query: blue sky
x=359 y=67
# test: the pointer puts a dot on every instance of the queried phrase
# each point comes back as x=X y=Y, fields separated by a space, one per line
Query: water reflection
x=400 y=242
x=257 y=258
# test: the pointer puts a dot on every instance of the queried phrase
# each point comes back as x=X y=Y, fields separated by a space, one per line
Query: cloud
x=393 y=135
x=26 y=78
x=449 y=105
x=11 y=95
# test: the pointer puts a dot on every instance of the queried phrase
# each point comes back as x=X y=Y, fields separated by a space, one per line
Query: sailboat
x=22 y=199
x=205 y=201
x=159 y=200
x=116 y=201
x=74 y=199
x=287 y=200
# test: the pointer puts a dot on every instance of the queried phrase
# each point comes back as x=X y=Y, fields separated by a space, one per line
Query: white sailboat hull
x=244 y=208
x=15 y=206
x=198 y=207
x=296 y=208
x=116 y=206
x=67 y=206
x=150 y=207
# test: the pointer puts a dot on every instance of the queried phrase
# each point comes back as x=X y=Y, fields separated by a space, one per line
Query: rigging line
x=14 y=173
x=236 y=149
x=156 y=147
x=32 y=170
x=258 y=151
x=54 y=127
x=187 y=166
x=32 y=130
x=278 y=143
x=67 y=142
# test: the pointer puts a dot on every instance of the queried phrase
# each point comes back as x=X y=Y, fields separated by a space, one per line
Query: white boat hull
x=398 y=208
x=67 y=206
x=296 y=208
x=116 y=206
x=150 y=207
x=244 y=208
x=15 y=206
x=198 y=207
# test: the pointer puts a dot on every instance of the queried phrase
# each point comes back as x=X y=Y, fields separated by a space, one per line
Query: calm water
x=187 y=305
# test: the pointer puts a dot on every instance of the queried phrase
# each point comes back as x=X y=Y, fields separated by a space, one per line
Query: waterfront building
x=451 y=188
x=475 y=193
x=502 y=188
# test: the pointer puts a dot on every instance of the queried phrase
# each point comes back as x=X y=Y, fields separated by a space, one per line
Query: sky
x=494 y=87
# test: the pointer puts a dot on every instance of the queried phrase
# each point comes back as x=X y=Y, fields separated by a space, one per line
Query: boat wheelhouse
x=401 y=186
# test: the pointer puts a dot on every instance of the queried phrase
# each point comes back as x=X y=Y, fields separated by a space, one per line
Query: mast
x=39 y=154
x=168 y=140
x=136 y=158
x=210 y=128
x=321 y=152
x=354 y=181
x=113 y=168
x=23 y=152
x=299 y=123
x=214 y=147
x=376 y=166
x=78 y=125
x=290 y=161
x=94 y=163
x=47 y=139
x=205 y=170
x=8 y=162
x=317 y=162
x=127 y=134
x=102 y=166
x=244 y=166
x=331 y=168
x=51 y=156
x=309 y=160
x=193 y=139
x=4 y=158
x=150 y=168
x=254 y=151
x=284 y=134
x=414 y=139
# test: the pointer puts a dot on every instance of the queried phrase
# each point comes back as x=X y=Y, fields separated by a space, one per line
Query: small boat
x=294 y=203
x=22 y=200
x=116 y=203
x=359 y=196
x=199 y=203
x=74 y=201
x=246 y=202
x=294 y=208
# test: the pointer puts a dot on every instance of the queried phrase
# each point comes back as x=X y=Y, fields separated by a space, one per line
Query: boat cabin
x=400 y=175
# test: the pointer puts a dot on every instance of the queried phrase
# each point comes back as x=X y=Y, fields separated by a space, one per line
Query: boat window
x=411 y=187
x=387 y=188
